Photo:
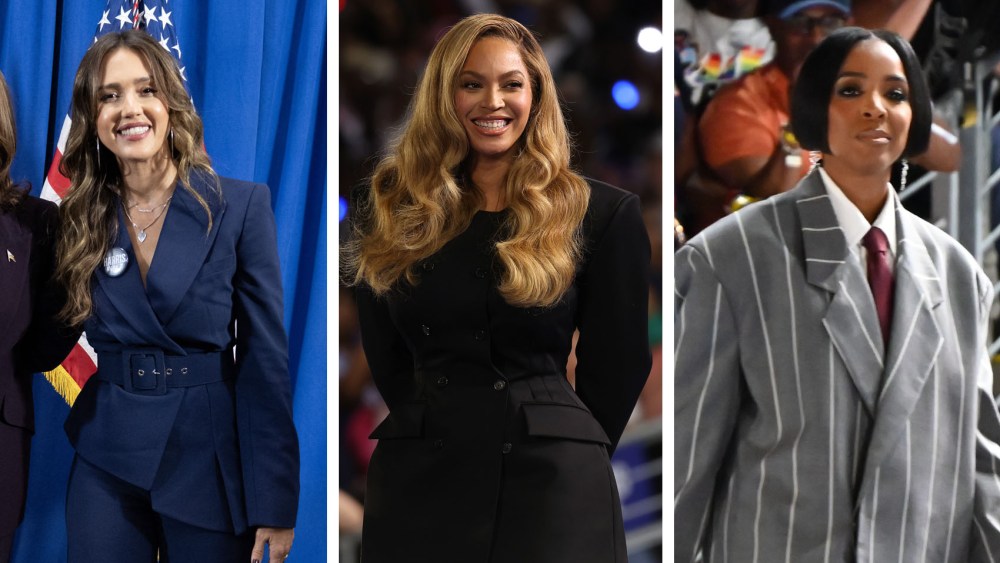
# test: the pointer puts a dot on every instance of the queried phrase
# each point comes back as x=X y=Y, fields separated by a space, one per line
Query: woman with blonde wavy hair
x=185 y=446
x=476 y=253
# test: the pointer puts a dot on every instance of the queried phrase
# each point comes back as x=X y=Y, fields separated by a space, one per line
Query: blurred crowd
x=589 y=45
x=736 y=61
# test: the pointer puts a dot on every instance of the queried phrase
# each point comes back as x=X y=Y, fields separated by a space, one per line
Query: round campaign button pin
x=115 y=262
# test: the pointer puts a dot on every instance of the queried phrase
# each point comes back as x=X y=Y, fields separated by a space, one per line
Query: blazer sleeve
x=47 y=340
x=706 y=395
x=269 y=448
x=985 y=544
x=613 y=356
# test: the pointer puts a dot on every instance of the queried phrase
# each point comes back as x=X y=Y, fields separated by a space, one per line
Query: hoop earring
x=97 y=142
x=171 y=142
x=904 y=167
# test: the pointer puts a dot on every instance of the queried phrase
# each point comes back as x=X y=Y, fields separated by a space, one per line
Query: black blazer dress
x=488 y=454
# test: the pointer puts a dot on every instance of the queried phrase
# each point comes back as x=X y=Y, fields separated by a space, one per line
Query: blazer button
x=480 y=273
x=438 y=444
x=442 y=381
x=426 y=330
x=479 y=334
x=428 y=266
x=507 y=446
x=500 y=385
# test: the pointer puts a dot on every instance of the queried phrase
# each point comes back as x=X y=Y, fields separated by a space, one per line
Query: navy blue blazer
x=31 y=339
x=192 y=399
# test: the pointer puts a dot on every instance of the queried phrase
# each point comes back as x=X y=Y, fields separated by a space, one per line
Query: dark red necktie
x=880 y=278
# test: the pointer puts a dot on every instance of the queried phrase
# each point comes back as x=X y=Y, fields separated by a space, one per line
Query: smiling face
x=493 y=98
x=869 y=116
x=132 y=122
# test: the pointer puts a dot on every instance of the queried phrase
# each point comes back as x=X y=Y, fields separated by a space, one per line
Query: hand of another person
x=279 y=540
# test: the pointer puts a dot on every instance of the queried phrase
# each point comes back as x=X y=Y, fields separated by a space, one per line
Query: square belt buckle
x=144 y=372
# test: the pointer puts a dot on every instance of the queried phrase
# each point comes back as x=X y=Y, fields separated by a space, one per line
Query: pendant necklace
x=140 y=233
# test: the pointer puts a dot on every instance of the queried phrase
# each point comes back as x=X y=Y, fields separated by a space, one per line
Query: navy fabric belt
x=150 y=371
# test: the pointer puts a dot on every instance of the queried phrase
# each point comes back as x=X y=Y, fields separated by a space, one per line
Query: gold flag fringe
x=64 y=384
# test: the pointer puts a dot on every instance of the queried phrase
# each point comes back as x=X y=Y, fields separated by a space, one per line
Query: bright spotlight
x=650 y=40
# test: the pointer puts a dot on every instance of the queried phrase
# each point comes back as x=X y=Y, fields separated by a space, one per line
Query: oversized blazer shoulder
x=31 y=337
x=223 y=455
x=797 y=437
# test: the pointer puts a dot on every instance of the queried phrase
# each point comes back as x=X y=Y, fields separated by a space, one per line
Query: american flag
x=156 y=18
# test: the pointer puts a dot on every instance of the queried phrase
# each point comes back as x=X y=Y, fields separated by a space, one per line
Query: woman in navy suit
x=478 y=252
x=184 y=438
x=31 y=339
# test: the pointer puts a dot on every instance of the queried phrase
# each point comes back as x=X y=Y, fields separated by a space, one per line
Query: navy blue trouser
x=111 y=521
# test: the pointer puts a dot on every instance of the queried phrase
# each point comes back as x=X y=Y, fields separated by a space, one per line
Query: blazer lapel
x=915 y=341
x=128 y=296
x=850 y=319
x=184 y=243
x=15 y=246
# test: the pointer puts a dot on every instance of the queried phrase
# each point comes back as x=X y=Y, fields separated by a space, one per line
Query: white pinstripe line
x=813 y=198
x=906 y=495
x=871 y=528
x=906 y=343
x=934 y=450
x=857 y=442
x=701 y=533
x=798 y=389
x=824 y=261
x=704 y=392
x=829 y=510
x=683 y=323
x=864 y=329
x=821 y=229
x=986 y=540
x=958 y=458
x=725 y=522
x=708 y=254
x=774 y=388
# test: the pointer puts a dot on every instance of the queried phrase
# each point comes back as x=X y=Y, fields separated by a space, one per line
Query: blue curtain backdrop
x=256 y=72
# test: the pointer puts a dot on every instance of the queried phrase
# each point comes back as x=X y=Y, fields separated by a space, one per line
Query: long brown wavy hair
x=420 y=198
x=88 y=212
x=10 y=194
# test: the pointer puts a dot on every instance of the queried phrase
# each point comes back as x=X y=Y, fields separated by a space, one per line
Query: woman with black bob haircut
x=813 y=90
x=840 y=343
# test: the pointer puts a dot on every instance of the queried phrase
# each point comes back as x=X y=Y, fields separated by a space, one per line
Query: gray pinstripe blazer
x=797 y=437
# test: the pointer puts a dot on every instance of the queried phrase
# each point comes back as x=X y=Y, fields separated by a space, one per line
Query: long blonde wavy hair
x=420 y=198
x=89 y=210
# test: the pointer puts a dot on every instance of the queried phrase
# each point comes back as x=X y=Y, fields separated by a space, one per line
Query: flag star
x=165 y=18
x=104 y=21
x=124 y=18
x=177 y=47
x=183 y=75
x=163 y=43
x=150 y=15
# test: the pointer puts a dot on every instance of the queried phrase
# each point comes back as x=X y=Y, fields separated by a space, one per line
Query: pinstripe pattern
x=798 y=437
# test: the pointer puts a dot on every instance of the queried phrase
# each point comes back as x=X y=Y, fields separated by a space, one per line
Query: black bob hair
x=814 y=88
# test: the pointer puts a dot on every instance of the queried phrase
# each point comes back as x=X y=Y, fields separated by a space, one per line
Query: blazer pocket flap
x=553 y=420
x=404 y=421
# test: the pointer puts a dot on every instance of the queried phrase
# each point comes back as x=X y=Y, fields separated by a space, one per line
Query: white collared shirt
x=855 y=226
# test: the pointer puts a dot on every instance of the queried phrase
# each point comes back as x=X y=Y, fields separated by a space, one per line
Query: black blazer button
x=479 y=334
x=428 y=266
x=500 y=385
x=480 y=273
x=507 y=447
x=426 y=330
x=438 y=444
x=442 y=381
